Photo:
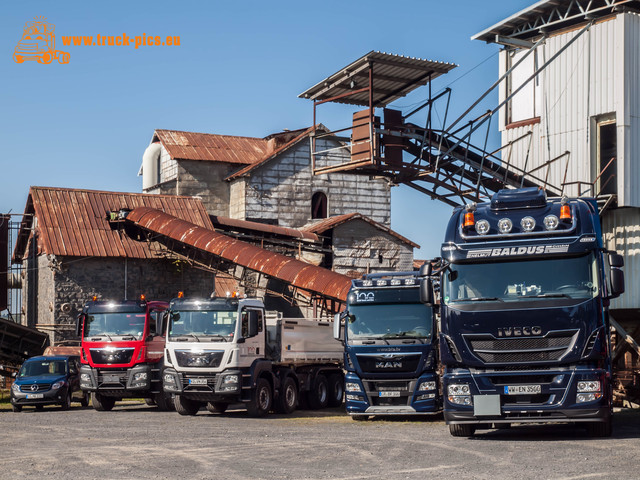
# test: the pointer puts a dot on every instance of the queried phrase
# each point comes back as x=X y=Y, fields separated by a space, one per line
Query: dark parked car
x=46 y=381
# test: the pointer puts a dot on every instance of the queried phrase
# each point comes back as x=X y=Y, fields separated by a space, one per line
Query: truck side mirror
x=425 y=269
x=337 y=327
x=616 y=262
x=253 y=323
x=79 y=320
x=161 y=322
x=426 y=291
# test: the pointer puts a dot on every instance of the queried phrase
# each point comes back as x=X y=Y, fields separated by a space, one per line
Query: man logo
x=388 y=365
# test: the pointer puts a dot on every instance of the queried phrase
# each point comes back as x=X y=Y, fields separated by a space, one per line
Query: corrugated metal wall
x=585 y=81
x=621 y=229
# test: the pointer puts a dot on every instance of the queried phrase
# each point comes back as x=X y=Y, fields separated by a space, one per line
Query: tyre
x=66 y=403
x=185 y=406
x=261 y=399
x=287 y=401
x=336 y=390
x=102 y=403
x=319 y=393
x=463 y=430
x=84 y=401
x=163 y=401
x=217 y=407
x=600 y=429
x=16 y=408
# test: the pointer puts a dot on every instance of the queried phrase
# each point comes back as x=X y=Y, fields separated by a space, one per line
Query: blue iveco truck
x=524 y=314
x=389 y=335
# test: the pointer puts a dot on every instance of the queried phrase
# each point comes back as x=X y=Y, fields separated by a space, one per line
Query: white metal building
x=576 y=121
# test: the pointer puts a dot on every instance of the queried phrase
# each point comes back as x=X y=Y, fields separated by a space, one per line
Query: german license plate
x=522 y=389
x=389 y=394
x=197 y=381
x=111 y=379
x=35 y=395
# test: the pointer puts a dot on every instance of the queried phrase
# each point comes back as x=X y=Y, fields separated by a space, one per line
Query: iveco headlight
x=462 y=389
x=589 y=386
x=352 y=387
x=427 y=386
x=57 y=385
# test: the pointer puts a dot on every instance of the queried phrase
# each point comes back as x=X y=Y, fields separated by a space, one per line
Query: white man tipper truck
x=224 y=351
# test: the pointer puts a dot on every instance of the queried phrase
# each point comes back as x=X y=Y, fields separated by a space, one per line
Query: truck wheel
x=217 y=407
x=163 y=401
x=84 y=401
x=261 y=399
x=600 y=429
x=66 y=403
x=102 y=403
x=16 y=408
x=336 y=390
x=462 y=430
x=185 y=406
x=319 y=394
x=287 y=401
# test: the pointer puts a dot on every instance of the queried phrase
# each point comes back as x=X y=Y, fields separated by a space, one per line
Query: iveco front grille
x=551 y=347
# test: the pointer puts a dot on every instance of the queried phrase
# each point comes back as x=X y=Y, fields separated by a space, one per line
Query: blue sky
x=238 y=71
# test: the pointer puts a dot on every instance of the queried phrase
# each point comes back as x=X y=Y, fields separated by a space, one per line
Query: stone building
x=267 y=180
x=70 y=252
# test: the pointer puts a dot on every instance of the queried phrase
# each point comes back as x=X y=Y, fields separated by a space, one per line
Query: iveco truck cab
x=524 y=304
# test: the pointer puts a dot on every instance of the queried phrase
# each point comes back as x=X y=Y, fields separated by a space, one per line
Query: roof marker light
x=180 y=294
x=505 y=225
x=482 y=227
x=528 y=224
x=469 y=220
x=551 y=222
x=142 y=297
x=565 y=209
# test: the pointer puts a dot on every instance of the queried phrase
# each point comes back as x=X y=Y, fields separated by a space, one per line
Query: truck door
x=253 y=346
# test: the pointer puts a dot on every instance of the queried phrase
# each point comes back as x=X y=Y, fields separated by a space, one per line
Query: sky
x=238 y=70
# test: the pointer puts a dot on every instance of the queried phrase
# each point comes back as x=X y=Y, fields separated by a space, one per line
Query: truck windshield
x=544 y=280
x=43 y=367
x=115 y=324
x=389 y=321
x=208 y=325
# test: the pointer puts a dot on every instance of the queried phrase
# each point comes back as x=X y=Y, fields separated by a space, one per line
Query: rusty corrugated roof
x=167 y=228
x=72 y=222
x=328 y=223
x=247 y=226
x=214 y=148
x=394 y=76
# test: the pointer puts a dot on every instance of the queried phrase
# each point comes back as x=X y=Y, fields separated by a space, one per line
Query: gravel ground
x=135 y=441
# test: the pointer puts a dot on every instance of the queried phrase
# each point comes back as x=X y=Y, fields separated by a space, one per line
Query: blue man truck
x=389 y=335
x=524 y=314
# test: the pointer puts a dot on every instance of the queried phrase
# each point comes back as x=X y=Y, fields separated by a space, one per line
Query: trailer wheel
x=163 y=401
x=287 y=401
x=217 y=407
x=261 y=399
x=185 y=406
x=319 y=394
x=600 y=429
x=336 y=390
x=102 y=403
x=462 y=430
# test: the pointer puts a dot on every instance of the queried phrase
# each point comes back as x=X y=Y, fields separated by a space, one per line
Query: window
x=605 y=165
x=523 y=105
x=319 y=205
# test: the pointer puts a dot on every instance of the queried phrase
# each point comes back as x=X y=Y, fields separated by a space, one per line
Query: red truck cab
x=122 y=351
